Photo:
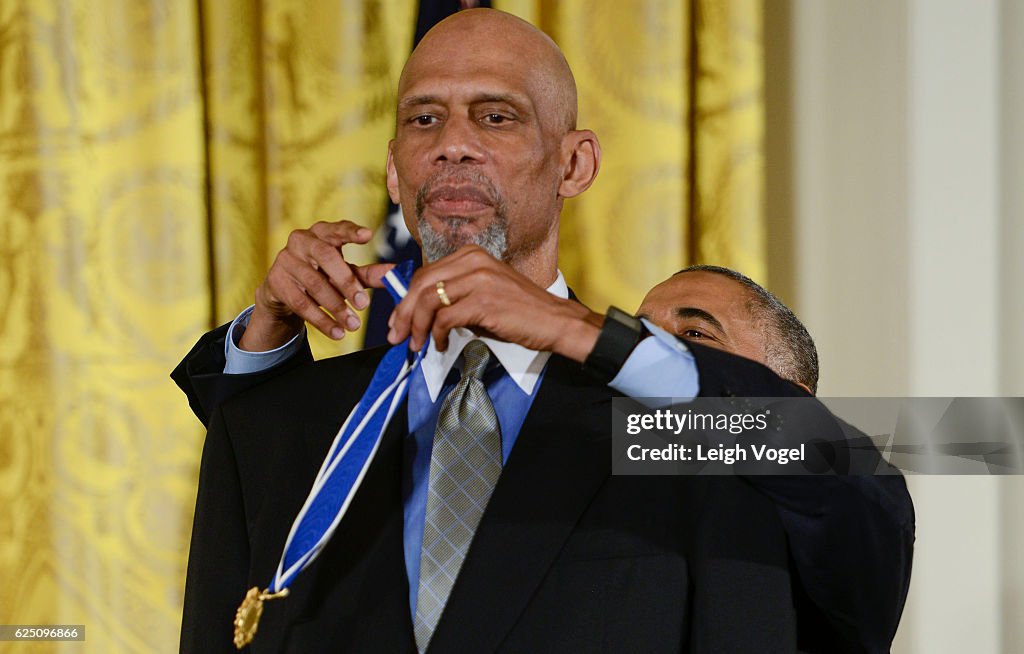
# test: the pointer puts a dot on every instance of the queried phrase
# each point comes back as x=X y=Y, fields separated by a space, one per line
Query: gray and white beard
x=436 y=245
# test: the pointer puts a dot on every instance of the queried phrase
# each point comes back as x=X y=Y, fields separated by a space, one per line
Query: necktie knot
x=475 y=357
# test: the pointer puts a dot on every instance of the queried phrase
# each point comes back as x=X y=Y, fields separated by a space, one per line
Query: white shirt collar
x=522 y=365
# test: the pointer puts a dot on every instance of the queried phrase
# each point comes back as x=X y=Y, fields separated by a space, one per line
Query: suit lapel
x=561 y=457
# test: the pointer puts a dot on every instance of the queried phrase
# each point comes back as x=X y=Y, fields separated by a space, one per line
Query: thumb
x=341 y=232
x=372 y=275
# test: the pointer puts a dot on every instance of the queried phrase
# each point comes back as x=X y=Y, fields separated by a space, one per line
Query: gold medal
x=247 y=617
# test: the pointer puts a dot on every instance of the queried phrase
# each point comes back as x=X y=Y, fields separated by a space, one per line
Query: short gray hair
x=789 y=348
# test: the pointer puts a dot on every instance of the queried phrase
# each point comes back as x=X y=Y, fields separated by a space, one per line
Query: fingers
x=372 y=275
x=427 y=313
x=311 y=272
x=457 y=315
x=432 y=317
x=320 y=248
x=414 y=315
x=463 y=273
x=290 y=286
x=341 y=233
x=488 y=297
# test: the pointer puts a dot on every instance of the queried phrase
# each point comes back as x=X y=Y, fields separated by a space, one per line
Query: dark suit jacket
x=567 y=557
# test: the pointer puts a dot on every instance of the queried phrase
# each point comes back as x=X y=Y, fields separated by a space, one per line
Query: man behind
x=726 y=310
x=565 y=557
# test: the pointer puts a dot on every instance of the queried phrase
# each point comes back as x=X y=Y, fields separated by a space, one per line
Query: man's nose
x=458 y=142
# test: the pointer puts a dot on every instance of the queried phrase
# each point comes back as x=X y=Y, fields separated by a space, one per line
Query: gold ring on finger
x=445 y=300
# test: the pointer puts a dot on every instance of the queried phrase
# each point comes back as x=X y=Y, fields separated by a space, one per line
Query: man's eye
x=424 y=120
x=495 y=119
x=694 y=334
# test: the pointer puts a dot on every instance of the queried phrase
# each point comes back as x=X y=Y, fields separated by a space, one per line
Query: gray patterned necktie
x=464 y=467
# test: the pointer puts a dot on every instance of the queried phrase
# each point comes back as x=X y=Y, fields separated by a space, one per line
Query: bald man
x=561 y=556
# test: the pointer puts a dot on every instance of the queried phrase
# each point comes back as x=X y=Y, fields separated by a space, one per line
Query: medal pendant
x=247 y=617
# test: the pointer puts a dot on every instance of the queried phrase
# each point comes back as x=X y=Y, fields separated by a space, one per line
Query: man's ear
x=581 y=159
x=392 y=174
x=805 y=387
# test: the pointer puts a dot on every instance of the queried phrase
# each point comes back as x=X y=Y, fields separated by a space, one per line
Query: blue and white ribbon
x=351 y=452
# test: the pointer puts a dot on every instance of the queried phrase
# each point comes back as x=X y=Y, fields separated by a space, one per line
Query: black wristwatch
x=619 y=336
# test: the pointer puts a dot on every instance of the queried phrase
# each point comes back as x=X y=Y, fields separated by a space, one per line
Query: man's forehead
x=498 y=53
x=449 y=87
x=705 y=290
x=705 y=282
x=493 y=73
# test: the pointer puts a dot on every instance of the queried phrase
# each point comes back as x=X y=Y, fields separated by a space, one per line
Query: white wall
x=1011 y=349
x=895 y=186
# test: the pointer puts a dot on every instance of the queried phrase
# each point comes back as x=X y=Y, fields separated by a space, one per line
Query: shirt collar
x=522 y=365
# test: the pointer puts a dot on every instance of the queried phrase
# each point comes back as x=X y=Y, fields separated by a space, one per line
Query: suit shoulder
x=310 y=386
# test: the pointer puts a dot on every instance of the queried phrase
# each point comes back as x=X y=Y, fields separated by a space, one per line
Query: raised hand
x=490 y=298
x=311 y=281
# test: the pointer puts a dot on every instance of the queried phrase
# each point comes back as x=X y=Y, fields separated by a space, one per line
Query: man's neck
x=539 y=266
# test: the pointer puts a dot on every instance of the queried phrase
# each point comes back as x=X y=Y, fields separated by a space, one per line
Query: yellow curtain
x=300 y=102
x=673 y=90
x=104 y=282
x=153 y=157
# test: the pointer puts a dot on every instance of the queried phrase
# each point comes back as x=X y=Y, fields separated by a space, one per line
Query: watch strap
x=619 y=336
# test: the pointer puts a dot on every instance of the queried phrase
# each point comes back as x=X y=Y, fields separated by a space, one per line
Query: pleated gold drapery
x=154 y=156
x=102 y=281
x=152 y=160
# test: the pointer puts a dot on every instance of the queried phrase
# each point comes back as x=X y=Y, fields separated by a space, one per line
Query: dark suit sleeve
x=200 y=375
x=851 y=540
x=218 y=559
x=851 y=537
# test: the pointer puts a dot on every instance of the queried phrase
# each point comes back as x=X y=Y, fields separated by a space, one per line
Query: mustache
x=458 y=186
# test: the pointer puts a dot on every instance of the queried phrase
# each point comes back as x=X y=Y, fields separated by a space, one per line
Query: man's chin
x=457 y=229
x=443 y=235
x=438 y=245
